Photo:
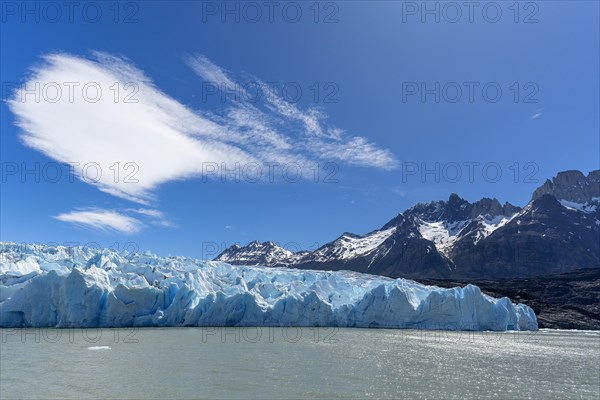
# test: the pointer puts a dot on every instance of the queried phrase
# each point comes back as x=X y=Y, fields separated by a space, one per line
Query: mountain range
x=558 y=231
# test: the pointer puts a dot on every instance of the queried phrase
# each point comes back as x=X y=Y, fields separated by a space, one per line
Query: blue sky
x=366 y=94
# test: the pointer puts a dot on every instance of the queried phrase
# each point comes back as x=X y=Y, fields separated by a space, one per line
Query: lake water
x=234 y=363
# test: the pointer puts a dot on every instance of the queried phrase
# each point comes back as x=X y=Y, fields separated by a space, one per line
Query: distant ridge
x=557 y=231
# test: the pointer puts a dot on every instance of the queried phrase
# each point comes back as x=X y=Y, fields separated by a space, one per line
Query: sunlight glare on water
x=187 y=363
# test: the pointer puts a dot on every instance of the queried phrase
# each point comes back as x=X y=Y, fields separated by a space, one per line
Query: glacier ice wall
x=47 y=286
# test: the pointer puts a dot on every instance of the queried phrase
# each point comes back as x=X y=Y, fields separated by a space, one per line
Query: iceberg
x=84 y=287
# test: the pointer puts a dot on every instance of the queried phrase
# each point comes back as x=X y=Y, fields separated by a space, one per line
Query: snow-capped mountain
x=257 y=253
x=418 y=242
x=347 y=247
x=558 y=231
x=350 y=246
x=456 y=221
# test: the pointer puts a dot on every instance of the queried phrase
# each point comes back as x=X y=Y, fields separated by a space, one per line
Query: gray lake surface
x=295 y=363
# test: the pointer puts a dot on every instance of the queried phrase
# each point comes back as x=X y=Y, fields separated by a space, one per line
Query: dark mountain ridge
x=558 y=231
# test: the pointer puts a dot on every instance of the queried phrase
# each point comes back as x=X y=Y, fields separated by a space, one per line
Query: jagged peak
x=454 y=197
x=349 y=234
x=570 y=174
x=546 y=200
x=571 y=185
x=594 y=175
x=257 y=244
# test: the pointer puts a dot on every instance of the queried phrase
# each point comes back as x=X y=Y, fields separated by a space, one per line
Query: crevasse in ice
x=56 y=286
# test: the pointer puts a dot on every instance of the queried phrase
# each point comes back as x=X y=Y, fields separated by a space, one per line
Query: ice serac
x=43 y=286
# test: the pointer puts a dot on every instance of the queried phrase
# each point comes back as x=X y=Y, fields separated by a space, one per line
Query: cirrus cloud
x=160 y=137
x=105 y=112
x=102 y=220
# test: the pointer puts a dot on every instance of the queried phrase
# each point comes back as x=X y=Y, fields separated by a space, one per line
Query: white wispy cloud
x=537 y=114
x=398 y=191
x=138 y=137
x=160 y=138
x=149 y=212
x=155 y=217
x=297 y=135
x=210 y=72
x=356 y=151
x=103 y=220
x=129 y=220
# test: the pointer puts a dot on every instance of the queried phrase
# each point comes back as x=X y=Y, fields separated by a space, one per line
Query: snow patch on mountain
x=352 y=246
x=489 y=225
x=256 y=253
x=587 y=208
x=443 y=234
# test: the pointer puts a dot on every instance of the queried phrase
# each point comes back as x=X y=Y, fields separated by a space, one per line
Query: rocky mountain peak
x=452 y=210
x=546 y=201
x=571 y=185
x=459 y=209
x=456 y=199
x=554 y=233
x=492 y=208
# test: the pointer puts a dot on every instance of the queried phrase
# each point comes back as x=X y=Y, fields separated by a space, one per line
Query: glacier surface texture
x=55 y=286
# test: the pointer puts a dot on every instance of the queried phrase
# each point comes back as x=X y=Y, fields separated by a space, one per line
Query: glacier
x=83 y=287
